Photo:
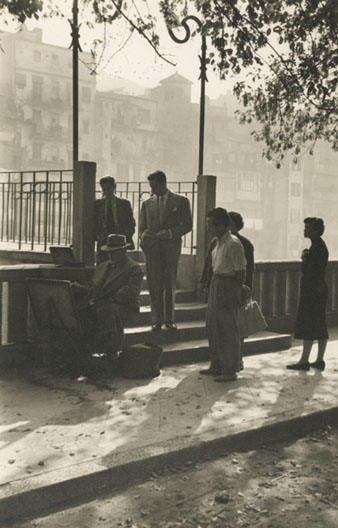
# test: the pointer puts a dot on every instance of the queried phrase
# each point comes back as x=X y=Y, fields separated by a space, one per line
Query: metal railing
x=137 y=192
x=36 y=208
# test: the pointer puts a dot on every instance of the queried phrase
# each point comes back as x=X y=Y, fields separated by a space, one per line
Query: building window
x=55 y=153
x=143 y=115
x=86 y=94
x=37 y=91
x=37 y=56
x=85 y=126
x=247 y=182
x=296 y=166
x=218 y=160
x=295 y=189
x=37 y=116
x=20 y=80
x=55 y=120
x=294 y=216
x=69 y=91
x=55 y=90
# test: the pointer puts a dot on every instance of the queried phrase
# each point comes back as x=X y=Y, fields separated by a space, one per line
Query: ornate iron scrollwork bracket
x=203 y=75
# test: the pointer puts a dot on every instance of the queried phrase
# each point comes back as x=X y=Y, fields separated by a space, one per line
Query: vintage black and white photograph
x=168 y=263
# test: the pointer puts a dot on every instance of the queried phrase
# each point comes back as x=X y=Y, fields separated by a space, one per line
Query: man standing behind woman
x=236 y=224
x=228 y=267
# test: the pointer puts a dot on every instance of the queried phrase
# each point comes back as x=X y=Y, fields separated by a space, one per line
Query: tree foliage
x=21 y=9
x=285 y=53
x=282 y=54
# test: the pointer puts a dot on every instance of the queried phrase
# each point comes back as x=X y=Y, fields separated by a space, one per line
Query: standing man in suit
x=113 y=215
x=165 y=218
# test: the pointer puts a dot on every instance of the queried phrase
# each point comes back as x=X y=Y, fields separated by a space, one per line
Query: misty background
x=138 y=113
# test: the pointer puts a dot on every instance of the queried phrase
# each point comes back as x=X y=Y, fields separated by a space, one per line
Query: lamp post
x=76 y=47
x=202 y=77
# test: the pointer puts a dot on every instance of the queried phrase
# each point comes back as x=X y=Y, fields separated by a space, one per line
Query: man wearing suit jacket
x=165 y=218
x=112 y=215
x=112 y=298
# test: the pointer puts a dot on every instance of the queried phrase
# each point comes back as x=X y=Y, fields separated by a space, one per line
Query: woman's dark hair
x=317 y=224
x=237 y=220
x=158 y=176
x=219 y=216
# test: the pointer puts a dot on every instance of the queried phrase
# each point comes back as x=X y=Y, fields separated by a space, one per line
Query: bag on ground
x=140 y=361
x=251 y=319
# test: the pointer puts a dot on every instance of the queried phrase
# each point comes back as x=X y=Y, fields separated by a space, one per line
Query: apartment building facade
x=36 y=103
x=130 y=136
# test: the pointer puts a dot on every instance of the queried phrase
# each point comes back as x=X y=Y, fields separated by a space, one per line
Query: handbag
x=251 y=319
x=140 y=361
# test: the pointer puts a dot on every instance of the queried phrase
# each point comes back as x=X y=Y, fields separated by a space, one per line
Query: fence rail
x=36 y=208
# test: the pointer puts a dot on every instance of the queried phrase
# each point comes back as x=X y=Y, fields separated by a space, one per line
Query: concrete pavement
x=62 y=439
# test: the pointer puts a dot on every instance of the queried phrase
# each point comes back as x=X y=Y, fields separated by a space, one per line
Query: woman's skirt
x=311 y=315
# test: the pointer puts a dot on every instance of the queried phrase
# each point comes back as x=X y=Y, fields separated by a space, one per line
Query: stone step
x=196 y=350
x=189 y=311
x=190 y=337
x=186 y=330
x=182 y=296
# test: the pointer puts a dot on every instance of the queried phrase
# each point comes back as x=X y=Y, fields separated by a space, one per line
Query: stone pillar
x=206 y=200
x=83 y=211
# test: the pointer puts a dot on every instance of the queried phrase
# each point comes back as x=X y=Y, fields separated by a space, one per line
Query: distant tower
x=177 y=123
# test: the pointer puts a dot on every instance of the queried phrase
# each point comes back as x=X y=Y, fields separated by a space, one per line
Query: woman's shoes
x=299 y=366
x=320 y=365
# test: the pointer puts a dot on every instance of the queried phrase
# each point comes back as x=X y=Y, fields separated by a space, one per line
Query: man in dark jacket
x=236 y=224
x=112 y=215
x=112 y=299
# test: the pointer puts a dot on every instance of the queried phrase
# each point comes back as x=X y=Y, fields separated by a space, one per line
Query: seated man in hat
x=112 y=299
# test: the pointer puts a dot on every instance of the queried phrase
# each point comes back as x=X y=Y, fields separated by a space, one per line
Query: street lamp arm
x=202 y=77
x=184 y=23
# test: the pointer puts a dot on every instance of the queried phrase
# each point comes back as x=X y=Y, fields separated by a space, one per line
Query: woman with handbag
x=311 y=316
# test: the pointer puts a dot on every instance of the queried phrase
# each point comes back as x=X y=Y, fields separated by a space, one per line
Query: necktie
x=109 y=217
x=161 y=209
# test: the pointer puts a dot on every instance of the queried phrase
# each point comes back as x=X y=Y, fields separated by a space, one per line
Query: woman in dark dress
x=311 y=316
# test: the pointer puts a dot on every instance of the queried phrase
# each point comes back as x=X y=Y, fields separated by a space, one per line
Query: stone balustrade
x=276 y=288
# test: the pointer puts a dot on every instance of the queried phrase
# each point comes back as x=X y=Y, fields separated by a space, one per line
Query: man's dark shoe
x=298 y=366
x=320 y=365
x=171 y=326
x=210 y=372
x=156 y=327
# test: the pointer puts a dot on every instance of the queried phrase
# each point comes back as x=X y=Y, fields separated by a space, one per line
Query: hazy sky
x=137 y=61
